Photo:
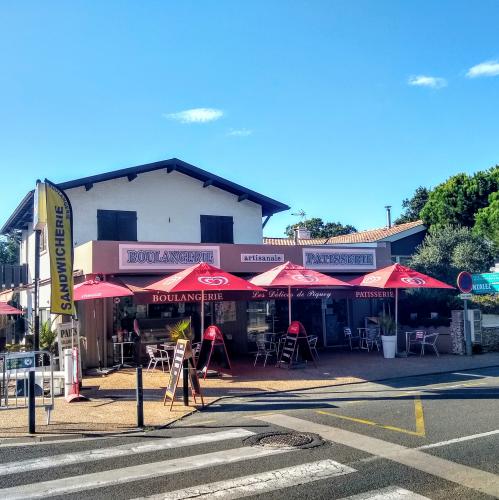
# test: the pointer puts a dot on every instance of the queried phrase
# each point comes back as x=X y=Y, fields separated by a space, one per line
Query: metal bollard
x=140 y=398
x=185 y=381
x=31 y=402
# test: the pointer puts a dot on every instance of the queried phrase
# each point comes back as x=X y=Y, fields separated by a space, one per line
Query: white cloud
x=242 y=132
x=427 y=81
x=487 y=68
x=196 y=115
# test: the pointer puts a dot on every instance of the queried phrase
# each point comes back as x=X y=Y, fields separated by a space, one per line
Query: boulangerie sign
x=139 y=257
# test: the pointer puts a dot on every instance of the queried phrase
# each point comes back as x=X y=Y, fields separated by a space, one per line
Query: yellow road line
x=418 y=410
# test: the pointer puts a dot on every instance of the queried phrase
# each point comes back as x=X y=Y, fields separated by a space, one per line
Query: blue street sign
x=487 y=283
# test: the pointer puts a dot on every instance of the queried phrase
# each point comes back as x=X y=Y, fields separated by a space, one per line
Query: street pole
x=185 y=381
x=36 y=322
x=140 y=398
x=467 y=331
x=31 y=402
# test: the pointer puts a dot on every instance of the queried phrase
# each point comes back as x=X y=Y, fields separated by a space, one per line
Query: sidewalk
x=112 y=406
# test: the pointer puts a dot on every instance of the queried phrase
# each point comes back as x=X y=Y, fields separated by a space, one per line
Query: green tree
x=458 y=199
x=487 y=221
x=413 y=206
x=320 y=229
x=9 y=249
x=448 y=250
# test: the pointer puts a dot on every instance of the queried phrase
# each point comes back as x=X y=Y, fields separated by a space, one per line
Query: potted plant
x=388 y=336
x=180 y=330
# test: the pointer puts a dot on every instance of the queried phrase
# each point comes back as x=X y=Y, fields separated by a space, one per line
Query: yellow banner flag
x=60 y=246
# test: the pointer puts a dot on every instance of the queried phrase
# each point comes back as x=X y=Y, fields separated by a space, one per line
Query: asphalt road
x=421 y=437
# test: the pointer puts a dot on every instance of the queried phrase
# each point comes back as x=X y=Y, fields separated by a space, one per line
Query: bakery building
x=137 y=224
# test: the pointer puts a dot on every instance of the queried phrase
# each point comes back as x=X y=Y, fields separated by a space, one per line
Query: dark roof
x=23 y=214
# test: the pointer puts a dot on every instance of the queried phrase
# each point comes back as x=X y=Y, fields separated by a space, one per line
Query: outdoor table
x=122 y=344
x=169 y=346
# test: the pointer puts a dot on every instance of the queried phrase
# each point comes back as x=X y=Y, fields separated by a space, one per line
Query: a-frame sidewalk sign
x=183 y=351
x=296 y=342
x=212 y=338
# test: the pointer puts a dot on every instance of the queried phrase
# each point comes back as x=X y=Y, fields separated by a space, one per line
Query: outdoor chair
x=415 y=338
x=427 y=339
x=372 y=338
x=430 y=339
x=312 y=342
x=348 y=335
x=265 y=348
x=154 y=358
x=196 y=348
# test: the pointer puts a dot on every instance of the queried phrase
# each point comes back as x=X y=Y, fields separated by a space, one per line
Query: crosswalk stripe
x=136 y=473
x=260 y=483
x=120 y=451
x=390 y=493
x=473 y=478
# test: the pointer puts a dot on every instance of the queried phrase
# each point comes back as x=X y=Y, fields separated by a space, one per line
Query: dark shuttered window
x=217 y=229
x=116 y=225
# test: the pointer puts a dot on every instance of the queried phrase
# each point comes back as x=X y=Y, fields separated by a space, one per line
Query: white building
x=166 y=201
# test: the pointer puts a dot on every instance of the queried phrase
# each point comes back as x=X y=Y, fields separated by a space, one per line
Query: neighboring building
x=403 y=239
x=137 y=223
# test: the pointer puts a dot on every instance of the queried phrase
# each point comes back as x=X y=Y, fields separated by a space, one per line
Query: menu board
x=182 y=353
x=296 y=341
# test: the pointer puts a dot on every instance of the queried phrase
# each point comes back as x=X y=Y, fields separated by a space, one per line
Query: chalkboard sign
x=295 y=344
x=212 y=350
x=182 y=352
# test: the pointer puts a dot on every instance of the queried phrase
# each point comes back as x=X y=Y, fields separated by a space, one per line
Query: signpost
x=465 y=284
x=183 y=356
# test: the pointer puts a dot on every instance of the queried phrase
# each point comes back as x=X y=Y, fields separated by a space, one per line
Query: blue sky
x=336 y=107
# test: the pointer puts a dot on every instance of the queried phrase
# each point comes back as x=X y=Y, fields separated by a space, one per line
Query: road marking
x=260 y=483
x=469 y=477
x=470 y=375
x=120 y=451
x=419 y=416
x=458 y=440
x=202 y=422
x=140 y=472
x=390 y=493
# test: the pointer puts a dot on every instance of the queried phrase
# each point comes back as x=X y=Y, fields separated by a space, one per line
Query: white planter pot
x=389 y=345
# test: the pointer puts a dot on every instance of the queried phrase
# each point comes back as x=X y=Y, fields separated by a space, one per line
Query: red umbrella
x=398 y=276
x=8 y=309
x=200 y=278
x=98 y=289
x=291 y=276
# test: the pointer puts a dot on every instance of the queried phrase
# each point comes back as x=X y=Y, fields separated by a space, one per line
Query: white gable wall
x=168 y=208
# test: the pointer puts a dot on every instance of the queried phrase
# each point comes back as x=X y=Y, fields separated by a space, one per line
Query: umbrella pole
x=289 y=303
x=396 y=319
x=202 y=313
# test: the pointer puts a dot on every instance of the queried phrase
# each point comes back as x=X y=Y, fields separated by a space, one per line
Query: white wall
x=168 y=207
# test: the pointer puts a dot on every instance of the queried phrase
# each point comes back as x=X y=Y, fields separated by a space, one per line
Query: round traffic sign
x=465 y=282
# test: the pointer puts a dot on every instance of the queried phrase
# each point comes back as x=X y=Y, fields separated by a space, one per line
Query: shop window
x=261 y=318
x=116 y=225
x=217 y=229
